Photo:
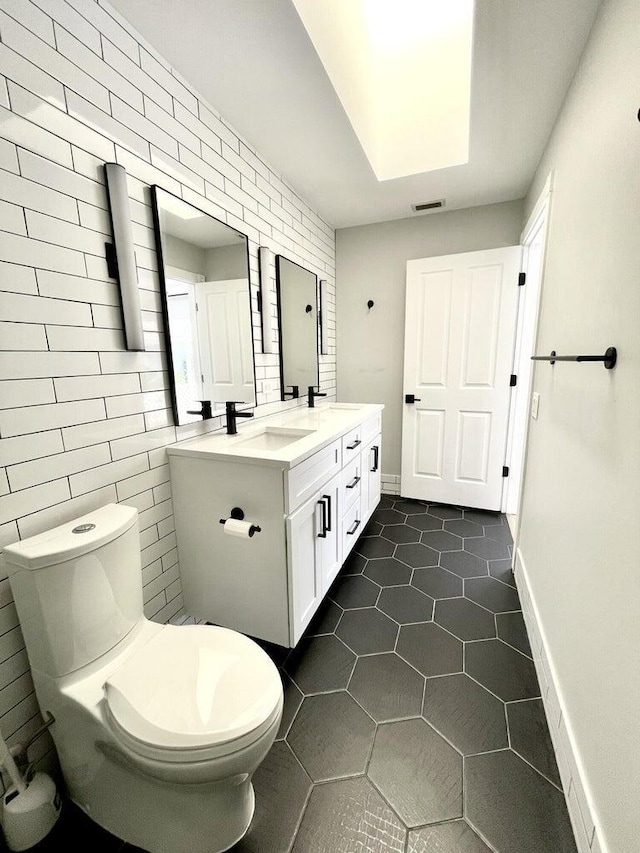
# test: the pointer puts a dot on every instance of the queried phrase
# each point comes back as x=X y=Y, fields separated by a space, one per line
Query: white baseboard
x=390 y=484
x=580 y=811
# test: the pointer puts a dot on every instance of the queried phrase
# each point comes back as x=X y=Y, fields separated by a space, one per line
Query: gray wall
x=371 y=264
x=183 y=255
x=226 y=263
x=580 y=530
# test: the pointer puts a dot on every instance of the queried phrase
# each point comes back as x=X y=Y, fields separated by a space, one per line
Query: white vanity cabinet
x=311 y=511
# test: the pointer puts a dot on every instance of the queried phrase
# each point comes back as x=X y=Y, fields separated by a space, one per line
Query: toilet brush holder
x=29 y=815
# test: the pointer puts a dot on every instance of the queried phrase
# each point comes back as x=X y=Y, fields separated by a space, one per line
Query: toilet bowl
x=158 y=728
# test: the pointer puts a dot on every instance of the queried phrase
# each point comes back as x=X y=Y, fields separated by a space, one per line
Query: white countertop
x=324 y=423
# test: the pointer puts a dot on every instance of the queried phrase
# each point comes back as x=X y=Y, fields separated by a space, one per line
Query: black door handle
x=410 y=398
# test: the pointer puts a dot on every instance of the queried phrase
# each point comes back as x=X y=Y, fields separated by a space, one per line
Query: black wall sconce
x=121 y=258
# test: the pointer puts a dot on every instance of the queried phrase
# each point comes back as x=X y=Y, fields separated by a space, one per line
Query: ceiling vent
x=428 y=205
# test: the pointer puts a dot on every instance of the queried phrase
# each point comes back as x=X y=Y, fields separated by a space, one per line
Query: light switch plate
x=535 y=402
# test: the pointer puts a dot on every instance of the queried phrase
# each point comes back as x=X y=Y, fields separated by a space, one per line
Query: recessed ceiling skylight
x=402 y=70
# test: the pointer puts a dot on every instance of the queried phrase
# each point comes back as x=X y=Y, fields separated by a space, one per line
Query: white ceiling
x=255 y=64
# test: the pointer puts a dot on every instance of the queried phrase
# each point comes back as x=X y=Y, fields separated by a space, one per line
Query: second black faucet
x=312 y=396
x=231 y=413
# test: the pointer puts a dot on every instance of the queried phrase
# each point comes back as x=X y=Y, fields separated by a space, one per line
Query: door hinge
x=505 y=471
x=513 y=381
x=522 y=278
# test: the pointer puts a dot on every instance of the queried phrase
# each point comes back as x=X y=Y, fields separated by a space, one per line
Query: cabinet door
x=329 y=535
x=305 y=565
x=371 y=477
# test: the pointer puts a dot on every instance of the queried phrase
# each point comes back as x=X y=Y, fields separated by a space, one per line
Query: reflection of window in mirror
x=204 y=274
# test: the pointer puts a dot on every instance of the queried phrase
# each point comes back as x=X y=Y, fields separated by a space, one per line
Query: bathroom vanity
x=309 y=479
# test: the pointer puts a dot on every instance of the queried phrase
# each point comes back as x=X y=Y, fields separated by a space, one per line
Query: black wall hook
x=370 y=304
x=309 y=309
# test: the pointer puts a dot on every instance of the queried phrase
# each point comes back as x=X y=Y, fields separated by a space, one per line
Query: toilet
x=159 y=728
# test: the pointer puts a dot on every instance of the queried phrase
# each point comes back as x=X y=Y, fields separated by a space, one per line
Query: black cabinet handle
x=323 y=534
x=356 y=525
x=376 y=453
x=354 y=445
x=411 y=398
x=327 y=498
x=354 y=483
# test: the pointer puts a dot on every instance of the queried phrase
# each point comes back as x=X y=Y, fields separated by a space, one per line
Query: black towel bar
x=609 y=358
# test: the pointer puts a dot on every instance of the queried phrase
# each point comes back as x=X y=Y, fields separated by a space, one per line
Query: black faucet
x=294 y=393
x=312 y=396
x=232 y=415
x=205 y=410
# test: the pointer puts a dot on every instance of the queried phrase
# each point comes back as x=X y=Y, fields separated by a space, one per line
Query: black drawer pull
x=354 y=483
x=356 y=525
x=376 y=453
x=323 y=533
x=327 y=498
x=354 y=445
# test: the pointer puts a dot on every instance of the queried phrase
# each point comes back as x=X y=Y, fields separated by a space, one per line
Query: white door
x=224 y=336
x=459 y=338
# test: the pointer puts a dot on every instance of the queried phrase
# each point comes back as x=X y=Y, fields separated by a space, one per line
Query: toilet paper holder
x=238 y=514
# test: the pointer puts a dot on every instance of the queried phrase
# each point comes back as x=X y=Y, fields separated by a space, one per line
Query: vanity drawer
x=351 y=444
x=351 y=528
x=351 y=483
x=305 y=479
x=371 y=427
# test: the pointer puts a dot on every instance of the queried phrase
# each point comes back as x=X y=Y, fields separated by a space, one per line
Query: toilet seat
x=193 y=693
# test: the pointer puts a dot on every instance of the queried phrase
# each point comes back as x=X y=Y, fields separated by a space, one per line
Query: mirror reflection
x=298 y=321
x=204 y=274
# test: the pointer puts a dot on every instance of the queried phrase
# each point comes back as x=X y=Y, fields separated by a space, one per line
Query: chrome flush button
x=83 y=528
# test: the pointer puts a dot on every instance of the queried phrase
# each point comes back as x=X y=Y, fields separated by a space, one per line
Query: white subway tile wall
x=82 y=422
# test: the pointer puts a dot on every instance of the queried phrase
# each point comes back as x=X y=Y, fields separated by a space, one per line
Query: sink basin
x=274 y=438
x=353 y=407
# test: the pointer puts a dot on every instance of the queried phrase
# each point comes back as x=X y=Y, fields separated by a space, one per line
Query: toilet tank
x=77 y=588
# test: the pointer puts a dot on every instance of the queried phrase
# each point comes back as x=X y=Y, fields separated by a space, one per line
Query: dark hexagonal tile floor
x=455 y=836
x=465 y=713
x=389 y=516
x=463 y=564
x=388 y=571
x=367 y=631
x=417 y=555
x=437 y=583
x=462 y=527
x=488 y=549
x=401 y=696
x=320 y=663
x=512 y=630
x=375 y=546
x=341 y=695
x=331 y=735
x=530 y=738
x=400 y=533
x=349 y=815
x=354 y=591
x=513 y=807
x=411 y=752
x=465 y=619
x=424 y=522
x=440 y=540
x=490 y=593
x=430 y=649
x=406 y=604
x=502 y=670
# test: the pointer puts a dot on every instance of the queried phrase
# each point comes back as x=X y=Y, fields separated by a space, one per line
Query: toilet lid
x=194 y=686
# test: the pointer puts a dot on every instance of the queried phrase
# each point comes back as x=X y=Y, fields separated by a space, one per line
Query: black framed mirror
x=204 y=277
x=297 y=292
